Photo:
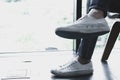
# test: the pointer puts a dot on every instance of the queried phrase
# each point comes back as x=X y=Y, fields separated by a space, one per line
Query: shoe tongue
x=91 y=17
x=87 y=17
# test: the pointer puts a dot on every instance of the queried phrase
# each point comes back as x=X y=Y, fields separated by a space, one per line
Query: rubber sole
x=76 y=35
x=75 y=74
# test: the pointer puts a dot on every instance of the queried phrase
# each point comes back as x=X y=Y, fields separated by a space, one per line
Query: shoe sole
x=73 y=74
x=76 y=35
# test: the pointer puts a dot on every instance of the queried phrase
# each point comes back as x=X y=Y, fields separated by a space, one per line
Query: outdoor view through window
x=29 y=25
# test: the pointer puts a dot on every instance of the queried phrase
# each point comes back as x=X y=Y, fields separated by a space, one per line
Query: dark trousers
x=87 y=45
x=105 y=5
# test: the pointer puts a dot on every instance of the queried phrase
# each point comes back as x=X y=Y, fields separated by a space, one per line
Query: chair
x=111 y=40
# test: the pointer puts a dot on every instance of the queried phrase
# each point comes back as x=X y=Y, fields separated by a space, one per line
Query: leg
x=81 y=65
x=101 y=5
x=86 y=49
x=111 y=40
x=84 y=28
x=92 y=24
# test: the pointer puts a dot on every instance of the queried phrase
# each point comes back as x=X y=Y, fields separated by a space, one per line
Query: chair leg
x=111 y=40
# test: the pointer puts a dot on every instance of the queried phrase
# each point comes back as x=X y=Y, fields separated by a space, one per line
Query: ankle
x=83 y=60
x=96 y=13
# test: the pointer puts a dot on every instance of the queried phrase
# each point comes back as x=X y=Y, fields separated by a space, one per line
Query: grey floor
x=37 y=66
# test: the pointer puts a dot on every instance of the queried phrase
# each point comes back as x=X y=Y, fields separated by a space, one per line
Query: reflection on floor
x=37 y=65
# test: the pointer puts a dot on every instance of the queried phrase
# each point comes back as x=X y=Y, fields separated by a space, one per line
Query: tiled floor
x=37 y=65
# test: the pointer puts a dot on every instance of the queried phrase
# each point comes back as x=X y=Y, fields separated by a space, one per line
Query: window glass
x=29 y=25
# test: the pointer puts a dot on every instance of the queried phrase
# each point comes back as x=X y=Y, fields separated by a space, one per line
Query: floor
x=37 y=65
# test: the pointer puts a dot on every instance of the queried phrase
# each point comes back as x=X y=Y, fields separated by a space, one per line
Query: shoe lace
x=68 y=64
x=81 y=19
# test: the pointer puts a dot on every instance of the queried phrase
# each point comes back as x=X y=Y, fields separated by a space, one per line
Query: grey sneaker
x=84 y=27
x=72 y=69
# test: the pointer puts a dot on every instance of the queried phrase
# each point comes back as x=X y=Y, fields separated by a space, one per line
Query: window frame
x=78 y=14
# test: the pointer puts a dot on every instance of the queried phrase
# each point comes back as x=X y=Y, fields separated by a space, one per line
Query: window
x=29 y=25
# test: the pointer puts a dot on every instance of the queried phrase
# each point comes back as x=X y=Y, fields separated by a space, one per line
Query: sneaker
x=72 y=69
x=84 y=27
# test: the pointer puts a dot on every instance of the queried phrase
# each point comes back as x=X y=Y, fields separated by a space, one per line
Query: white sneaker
x=84 y=27
x=72 y=69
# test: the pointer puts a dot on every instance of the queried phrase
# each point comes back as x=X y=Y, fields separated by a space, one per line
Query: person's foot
x=72 y=69
x=84 y=27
